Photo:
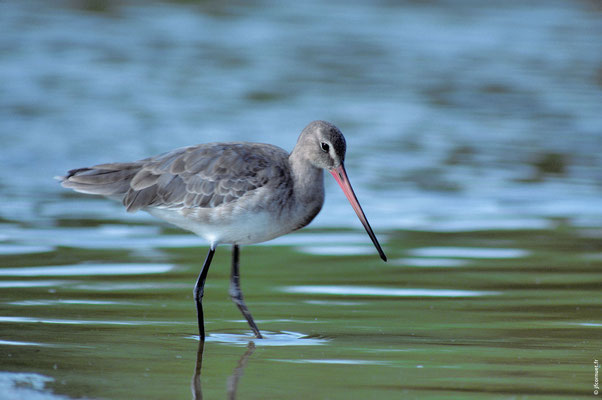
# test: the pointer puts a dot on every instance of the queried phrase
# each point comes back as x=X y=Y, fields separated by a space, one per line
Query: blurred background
x=455 y=111
x=474 y=143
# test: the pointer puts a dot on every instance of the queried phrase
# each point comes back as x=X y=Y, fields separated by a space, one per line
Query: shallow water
x=335 y=326
x=474 y=137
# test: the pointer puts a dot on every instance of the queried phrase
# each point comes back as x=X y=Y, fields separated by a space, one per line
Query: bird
x=236 y=193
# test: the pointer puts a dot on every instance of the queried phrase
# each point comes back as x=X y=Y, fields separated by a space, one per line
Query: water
x=474 y=138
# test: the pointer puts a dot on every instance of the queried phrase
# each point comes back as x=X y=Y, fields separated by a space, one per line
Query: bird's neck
x=308 y=180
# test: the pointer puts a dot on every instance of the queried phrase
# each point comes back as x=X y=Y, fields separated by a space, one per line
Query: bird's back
x=206 y=176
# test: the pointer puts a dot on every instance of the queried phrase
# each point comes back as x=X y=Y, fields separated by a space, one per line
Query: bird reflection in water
x=232 y=385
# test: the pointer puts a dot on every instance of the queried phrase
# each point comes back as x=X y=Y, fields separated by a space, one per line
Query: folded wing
x=206 y=175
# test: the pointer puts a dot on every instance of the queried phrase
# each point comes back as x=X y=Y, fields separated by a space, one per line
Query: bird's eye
x=325 y=147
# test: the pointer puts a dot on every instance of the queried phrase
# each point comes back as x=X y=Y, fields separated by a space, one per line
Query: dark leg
x=199 y=288
x=236 y=293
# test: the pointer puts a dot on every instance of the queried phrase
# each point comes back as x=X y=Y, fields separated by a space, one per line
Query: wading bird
x=235 y=193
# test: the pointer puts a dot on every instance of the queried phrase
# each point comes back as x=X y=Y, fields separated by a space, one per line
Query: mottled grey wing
x=206 y=175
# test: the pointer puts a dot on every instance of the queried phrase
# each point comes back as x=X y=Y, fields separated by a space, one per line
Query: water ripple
x=337 y=362
x=7 y=249
x=336 y=250
x=27 y=284
x=284 y=338
x=33 y=320
x=88 y=270
x=468 y=252
x=377 y=291
x=17 y=343
x=430 y=262
x=58 y=302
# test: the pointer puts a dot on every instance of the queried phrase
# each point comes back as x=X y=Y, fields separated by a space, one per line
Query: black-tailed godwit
x=230 y=193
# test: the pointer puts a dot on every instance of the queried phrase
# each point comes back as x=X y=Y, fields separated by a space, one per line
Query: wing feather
x=206 y=175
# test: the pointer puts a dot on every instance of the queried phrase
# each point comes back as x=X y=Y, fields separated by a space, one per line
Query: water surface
x=474 y=137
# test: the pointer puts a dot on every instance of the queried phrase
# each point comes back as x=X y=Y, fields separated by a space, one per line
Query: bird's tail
x=104 y=179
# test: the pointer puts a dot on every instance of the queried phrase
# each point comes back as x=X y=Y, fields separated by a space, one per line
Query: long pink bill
x=341 y=177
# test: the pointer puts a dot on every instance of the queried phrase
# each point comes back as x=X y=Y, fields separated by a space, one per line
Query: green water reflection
x=525 y=324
